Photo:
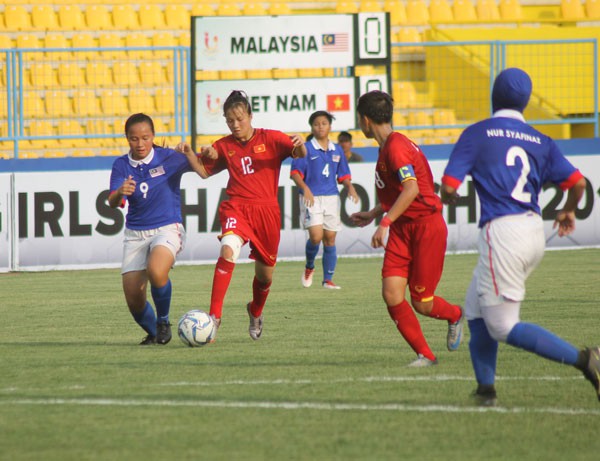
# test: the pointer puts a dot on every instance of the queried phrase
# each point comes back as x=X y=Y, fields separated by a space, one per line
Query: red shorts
x=415 y=250
x=258 y=224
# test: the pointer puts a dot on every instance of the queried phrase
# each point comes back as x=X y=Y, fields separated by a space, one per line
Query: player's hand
x=379 y=237
x=128 y=186
x=308 y=198
x=449 y=195
x=209 y=152
x=297 y=140
x=184 y=148
x=361 y=218
x=352 y=195
x=565 y=221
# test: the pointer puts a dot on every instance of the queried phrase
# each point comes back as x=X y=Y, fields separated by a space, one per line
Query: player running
x=415 y=250
x=509 y=162
x=253 y=158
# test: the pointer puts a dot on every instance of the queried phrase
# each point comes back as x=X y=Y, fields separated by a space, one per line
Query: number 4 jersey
x=509 y=162
x=253 y=166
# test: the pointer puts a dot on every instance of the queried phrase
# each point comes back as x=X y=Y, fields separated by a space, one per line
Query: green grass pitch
x=327 y=381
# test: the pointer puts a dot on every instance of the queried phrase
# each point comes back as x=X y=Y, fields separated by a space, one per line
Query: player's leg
x=428 y=248
x=261 y=286
x=331 y=226
x=165 y=246
x=231 y=245
x=135 y=281
x=312 y=221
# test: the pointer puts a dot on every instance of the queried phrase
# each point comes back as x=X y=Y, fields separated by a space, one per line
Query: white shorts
x=510 y=248
x=137 y=245
x=324 y=212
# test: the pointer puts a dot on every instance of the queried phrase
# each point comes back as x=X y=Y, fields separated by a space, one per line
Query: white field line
x=317 y=406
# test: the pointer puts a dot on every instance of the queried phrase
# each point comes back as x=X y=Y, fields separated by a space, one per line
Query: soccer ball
x=196 y=328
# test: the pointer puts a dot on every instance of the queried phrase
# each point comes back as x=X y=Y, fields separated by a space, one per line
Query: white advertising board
x=62 y=220
x=283 y=105
x=268 y=42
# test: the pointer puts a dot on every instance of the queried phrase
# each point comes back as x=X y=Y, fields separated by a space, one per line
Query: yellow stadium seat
x=42 y=74
x=70 y=127
x=96 y=127
x=6 y=42
x=98 y=73
x=83 y=153
x=111 y=40
x=177 y=17
x=254 y=9
x=343 y=6
x=70 y=74
x=41 y=128
x=163 y=39
x=164 y=101
x=28 y=41
x=409 y=35
x=369 y=6
x=97 y=17
x=70 y=17
x=124 y=17
x=487 y=10
x=571 y=10
x=138 y=39
x=43 y=17
x=510 y=10
x=228 y=9
x=404 y=95
x=125 y=73
x=398 y=119
x=592 y=9
x=185 y=39
x=279 y=8
x=440 y=11
x=58 y=104
x=113 y=103
x=33 y=105
x=397 y=11
x=57 y=40
x=84 y=40
x=152 y=73
x=85 y=103
x=16 y=17
x=417 y=12
x=419 y=118
x=464 y=11
x=140 y=101
x=151 y=17
x=203 y=9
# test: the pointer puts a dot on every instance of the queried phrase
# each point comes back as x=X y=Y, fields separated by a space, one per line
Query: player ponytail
x=237 y=98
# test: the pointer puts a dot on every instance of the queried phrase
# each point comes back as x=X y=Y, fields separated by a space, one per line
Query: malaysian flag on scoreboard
x=335 y=42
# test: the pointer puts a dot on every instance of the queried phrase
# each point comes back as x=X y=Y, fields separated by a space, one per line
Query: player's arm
x=347 y=183
x=117 y=197
x=299 y=149
x=565 y=219
x=195 y=160
x=298 y=178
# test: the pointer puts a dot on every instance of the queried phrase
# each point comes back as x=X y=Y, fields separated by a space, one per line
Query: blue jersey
x=322 y=170
x=509 y=162
x=156 y=201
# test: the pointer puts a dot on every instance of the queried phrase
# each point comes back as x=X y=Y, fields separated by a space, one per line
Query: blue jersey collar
x=146 y=160
x=317 y=146
x=509 y=113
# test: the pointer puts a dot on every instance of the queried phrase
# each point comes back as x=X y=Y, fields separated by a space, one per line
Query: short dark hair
x=138 y=118
x=377 y=105
x=320 y=113
x=344 y=136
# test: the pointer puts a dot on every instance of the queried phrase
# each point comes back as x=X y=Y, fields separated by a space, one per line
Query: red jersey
x=397 y=153
x=253 y=166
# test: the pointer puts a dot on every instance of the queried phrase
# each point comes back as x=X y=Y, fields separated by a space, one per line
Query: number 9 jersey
x=509 y=162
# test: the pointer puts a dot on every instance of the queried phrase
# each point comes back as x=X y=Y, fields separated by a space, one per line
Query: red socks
x=409 y=327
x=260 y=291
x=442 y=309
x=221 y=280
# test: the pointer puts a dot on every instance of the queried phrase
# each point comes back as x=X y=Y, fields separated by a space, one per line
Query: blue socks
x=311 y=254
x=484 y=352
x=536 y=339
x=329 y=261
x=162 y=301
x=146 y=319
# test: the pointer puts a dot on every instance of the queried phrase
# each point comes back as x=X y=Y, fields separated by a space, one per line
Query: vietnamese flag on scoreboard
x=338 y=102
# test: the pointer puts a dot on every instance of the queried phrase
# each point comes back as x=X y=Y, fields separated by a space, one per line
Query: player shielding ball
x=509 y=162
x=253 y=158
x=416 y=247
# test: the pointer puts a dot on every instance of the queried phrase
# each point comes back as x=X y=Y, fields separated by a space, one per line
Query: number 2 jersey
x=509 y=162
x=401 y=160
x=253 y=166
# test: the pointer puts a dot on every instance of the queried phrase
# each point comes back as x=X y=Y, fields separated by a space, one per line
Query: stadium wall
x=54 y=212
